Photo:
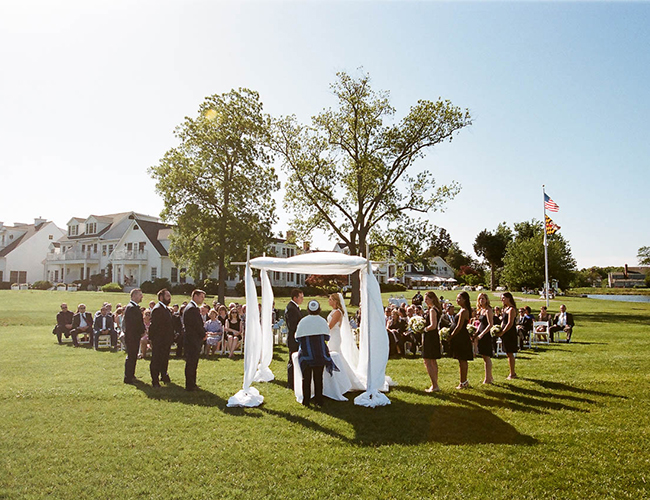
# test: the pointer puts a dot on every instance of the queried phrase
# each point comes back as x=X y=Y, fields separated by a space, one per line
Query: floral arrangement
x=471 y=329
x=495 y=331
x=445 y=334
x=417 y=324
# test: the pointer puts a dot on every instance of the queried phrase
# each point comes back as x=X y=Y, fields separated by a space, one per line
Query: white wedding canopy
x=258 y=347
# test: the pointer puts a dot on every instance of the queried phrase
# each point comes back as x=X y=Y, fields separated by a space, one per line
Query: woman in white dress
x=344 y=354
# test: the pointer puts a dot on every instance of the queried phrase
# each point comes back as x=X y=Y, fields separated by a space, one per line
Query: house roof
x=12 y=246
x=151 y=230
x=30 y=230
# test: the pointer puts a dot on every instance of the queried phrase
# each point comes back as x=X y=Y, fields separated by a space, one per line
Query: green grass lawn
x=576 y=425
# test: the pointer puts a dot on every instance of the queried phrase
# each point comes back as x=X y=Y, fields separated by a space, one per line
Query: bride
x=343 y=346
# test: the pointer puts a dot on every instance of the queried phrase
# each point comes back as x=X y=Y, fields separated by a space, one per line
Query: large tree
x=644 y=256
x=217 y=184
x=350 y=170
x=492 y=247
x=524 y=259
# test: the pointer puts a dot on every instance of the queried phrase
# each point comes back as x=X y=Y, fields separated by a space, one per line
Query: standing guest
x=214 y=329
x=194 y=337
x=104 y=325
x=161 y=336
x=417 y=299
x=152 y=304
x=133 y=327
x=292 y=317
x=144 y=341
x=483 y=334
x=509 y=331
x=234 y=330
x=460 y=342
x=431 y=351
x=63 y=322
x=82 y=324
x=562 y=321
x=313 y=354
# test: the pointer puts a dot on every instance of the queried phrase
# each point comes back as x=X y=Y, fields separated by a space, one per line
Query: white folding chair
x=104 y=341
x=540 y=333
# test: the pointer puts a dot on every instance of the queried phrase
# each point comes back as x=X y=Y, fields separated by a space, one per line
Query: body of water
x=622 y=298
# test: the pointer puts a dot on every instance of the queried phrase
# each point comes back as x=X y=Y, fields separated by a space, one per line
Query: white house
x=128 y=246
x=22 y=247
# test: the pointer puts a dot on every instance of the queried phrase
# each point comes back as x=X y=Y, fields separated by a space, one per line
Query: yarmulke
x=313 y=305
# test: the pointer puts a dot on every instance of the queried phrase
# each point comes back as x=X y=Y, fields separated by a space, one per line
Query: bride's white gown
x=338 y=383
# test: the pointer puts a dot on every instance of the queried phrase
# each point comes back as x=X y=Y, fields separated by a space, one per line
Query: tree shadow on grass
x=175 y=393
x=560 y=386
x=611 y=317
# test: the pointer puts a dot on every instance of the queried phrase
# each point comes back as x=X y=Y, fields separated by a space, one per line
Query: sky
x=91 y=91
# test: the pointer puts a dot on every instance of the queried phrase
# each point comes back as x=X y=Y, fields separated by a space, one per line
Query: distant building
x=22 y=248
x=127 y=247
x=635 y=277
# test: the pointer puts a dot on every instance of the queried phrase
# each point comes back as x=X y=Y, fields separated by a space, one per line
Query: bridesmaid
x=431 y=352
x=486 y=318
x=460 y=342
x=509 y=331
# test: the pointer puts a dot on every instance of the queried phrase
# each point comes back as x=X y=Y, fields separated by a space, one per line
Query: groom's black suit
x=192 y=342
x=292 y=317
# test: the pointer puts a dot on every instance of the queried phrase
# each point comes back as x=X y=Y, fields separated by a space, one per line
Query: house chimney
x=38 y=220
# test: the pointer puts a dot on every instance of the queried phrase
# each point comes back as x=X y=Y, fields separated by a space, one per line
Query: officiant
x=313 y=354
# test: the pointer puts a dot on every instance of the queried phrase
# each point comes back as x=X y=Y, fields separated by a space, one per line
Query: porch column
x=63 y=277
x=139 y=274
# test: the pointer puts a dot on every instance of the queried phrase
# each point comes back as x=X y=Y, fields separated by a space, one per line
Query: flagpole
x=545 y=248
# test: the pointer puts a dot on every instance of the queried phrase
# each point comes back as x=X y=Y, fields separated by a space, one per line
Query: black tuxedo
x=133 y=326
x=76 y=322
x=178 y=333
x=292 y=317
x=192 y=342
x=161 y=336
x=62 y=319
x=445 y=321
x=110 y=326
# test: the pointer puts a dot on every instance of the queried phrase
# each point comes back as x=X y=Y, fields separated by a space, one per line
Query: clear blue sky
x=90 y=93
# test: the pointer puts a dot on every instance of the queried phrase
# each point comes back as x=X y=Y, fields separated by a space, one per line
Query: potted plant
x=14 y=286
x=60 y=287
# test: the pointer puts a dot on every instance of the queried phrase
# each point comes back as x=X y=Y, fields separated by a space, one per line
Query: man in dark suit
x=292 y=317
x=104 y=325
x=133 y=326
x=563 y=321
x=447 y=317
x=193 y=338
x=63 y=322
x=161 y=336
x=82 y=324
x=178 y=330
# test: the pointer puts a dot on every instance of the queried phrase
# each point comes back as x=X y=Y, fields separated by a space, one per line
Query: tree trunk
x=492 y=276
x=222 y=278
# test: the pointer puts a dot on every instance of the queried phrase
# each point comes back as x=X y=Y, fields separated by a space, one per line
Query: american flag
x=549 y=204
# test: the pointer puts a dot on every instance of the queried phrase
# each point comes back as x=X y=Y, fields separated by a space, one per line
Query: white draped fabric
x=373 y=348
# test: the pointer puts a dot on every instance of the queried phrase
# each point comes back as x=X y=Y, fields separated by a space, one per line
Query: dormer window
x=73 y=230
x=91 y=228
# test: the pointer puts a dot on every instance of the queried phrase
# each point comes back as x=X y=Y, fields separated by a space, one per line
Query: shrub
x=392 y=287
x=112 y=287
x=182 y=289
x=83 y=284
x=41 y=285
x=156 y=285
x=240 y=289
x=210 y=286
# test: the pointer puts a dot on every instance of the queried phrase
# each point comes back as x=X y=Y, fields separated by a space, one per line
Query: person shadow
x=175 y=393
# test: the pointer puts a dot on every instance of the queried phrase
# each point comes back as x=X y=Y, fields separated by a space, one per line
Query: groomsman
x=161 y=336
x=292 y=317
x=133 y=326
x=193 y=338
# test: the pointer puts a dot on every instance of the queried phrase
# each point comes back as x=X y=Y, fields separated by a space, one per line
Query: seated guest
x=447 y=317
x=214 y=329
x=563 y=321
x=63 y=322
x=233 y=331
x=205 y=309
x=82 y=324
x=222 y=315
x=118 y=318
x=395 y=329
x=544 y=315
x=104 y=325
x=144 y=340
x=152 y=304
x=524 y=324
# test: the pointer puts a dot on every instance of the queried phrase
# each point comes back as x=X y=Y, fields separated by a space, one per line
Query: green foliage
x=98 y=280
x=643 y=254
x=524 y=259
x=156 y=285
x=326 y=284
x=41 y=285
x=182 y=289
x=348 y=172
x=412 y=243
x=210 y=286
x=112 y=287
x=217 y=184
x=392 y=287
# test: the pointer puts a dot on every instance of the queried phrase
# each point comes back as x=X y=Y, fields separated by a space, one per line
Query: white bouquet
x=495 y=331
x=471 y=329
x=417 y=324
x=445 y=333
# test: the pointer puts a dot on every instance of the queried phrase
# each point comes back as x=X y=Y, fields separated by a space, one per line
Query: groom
x=193 y=338
x=292 y=317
